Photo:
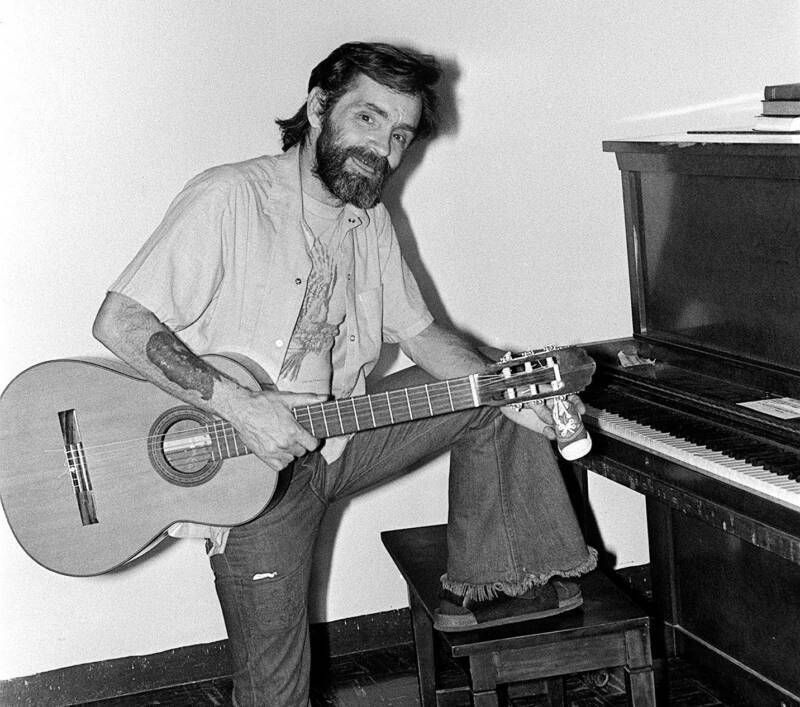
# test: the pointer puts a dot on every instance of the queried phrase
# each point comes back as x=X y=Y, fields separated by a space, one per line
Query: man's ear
x=315 y=106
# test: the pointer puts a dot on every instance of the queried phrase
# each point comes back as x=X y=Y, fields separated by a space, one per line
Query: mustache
x=377 y=162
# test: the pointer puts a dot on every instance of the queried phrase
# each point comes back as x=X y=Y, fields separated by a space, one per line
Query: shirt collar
x=285 y=192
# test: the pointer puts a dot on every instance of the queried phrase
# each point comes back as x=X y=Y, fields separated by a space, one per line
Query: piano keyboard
x=757 y=478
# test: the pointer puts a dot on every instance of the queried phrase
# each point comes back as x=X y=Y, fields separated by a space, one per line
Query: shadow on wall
x=393 y=194
x=393 y=199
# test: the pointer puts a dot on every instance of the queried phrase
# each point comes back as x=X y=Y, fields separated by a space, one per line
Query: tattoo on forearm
x=180 y=365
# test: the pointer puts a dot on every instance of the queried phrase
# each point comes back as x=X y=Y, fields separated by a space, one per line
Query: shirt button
x=352 y=337
x=279 y=343
x=298 y=281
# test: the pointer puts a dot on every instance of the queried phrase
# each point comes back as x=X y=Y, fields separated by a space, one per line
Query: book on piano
x=777 y=123
x=782 y=92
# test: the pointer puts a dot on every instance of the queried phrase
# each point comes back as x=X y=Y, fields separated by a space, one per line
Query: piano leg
x=662 y=573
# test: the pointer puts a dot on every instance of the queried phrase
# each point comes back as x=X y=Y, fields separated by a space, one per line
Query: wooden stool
x=608 y=631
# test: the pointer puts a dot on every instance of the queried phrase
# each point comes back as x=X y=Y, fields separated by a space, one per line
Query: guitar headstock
x=534 y=375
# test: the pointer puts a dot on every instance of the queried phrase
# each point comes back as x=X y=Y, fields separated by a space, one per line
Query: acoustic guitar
x=97 y=463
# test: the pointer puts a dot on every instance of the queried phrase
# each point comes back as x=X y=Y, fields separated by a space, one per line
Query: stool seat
x=608 y=631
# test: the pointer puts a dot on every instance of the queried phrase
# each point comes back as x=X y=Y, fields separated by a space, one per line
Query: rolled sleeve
x=178 y=270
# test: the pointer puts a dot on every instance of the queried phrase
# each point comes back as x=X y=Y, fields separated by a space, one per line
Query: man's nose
x=382 y=144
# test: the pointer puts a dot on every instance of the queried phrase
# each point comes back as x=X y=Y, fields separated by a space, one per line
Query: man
x=293 y=261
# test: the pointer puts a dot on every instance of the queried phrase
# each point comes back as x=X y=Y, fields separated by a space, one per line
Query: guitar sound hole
x=182 y=446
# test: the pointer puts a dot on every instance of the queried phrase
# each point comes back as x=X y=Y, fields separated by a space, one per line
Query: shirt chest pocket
x=369 y=326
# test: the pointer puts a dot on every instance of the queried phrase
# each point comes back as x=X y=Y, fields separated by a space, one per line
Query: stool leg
x=555 y=691
x=639 y=668
x=484 y=680
x=423 y=640
x=641 y=687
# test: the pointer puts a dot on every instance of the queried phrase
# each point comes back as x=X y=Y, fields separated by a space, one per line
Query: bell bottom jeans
x=510 y=526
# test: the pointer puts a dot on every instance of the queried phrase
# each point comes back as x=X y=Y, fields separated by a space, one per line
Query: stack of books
x=780 y=109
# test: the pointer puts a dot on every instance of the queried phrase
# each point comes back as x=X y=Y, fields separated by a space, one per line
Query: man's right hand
x=267 y=426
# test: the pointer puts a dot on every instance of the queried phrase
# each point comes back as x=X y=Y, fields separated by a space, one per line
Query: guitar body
x=85 y=482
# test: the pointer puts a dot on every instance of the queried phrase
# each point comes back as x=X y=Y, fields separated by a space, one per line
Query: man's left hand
x=537 y=415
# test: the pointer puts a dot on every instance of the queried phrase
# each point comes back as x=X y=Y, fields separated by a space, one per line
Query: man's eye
x=365 y=117
x=402 y=139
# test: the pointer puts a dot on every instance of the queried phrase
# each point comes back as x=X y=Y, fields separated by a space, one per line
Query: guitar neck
x=502 y=383
x=363 y=412
x=366 y=412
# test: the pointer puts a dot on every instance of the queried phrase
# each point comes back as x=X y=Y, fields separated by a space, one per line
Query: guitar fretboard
x=363 y=412
x=366 y=412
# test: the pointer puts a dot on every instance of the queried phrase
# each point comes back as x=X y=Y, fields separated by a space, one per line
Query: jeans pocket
x=275 y=603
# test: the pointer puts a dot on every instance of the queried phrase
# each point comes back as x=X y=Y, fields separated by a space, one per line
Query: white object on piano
x=783 y=408
x=628 y=360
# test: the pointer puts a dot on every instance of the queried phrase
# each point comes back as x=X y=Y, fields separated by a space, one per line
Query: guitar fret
x=215 y=437
x=428 y=396
x=235 y=437
x=408 y=402
x=371 y=411
x=355 y=414
x=450 y=395
x=339 y=415
x=389 y=405
x=307 y=410
x=325 y=420
x=225 y=429
x=399 y=407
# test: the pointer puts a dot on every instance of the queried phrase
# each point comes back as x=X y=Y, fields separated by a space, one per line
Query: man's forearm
x=136 y=336
x=263 y=418
x=443 y=353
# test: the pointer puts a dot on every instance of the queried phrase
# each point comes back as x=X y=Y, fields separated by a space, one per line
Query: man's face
x=363 y=139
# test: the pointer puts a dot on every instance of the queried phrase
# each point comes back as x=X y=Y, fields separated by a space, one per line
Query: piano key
x=716 y=463
x=705 y=433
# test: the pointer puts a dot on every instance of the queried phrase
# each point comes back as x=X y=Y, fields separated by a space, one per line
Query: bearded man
x=292 y=261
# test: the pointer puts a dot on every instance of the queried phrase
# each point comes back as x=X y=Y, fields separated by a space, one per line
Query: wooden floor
x=388 y=677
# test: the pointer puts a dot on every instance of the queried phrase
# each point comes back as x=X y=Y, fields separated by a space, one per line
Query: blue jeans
x=510 y=526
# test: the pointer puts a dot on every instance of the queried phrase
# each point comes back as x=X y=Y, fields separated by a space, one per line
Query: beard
x=361 y=190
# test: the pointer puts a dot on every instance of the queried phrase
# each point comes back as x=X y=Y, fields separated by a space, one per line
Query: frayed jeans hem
x=515 y=587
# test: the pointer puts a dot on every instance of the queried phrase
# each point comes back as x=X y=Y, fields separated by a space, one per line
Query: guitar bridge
x=78 y=469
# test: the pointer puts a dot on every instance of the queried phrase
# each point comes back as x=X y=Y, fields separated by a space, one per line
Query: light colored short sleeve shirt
x=227 y=270
x=228 y=267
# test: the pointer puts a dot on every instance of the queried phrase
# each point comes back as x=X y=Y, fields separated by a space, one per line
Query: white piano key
x=752 y=477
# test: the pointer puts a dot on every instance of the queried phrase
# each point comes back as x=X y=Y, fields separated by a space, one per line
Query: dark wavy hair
x=402 y=70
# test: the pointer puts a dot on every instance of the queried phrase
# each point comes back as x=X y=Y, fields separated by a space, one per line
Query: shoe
x=457 y=613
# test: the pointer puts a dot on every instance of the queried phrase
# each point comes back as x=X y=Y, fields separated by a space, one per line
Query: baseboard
x=187 y=664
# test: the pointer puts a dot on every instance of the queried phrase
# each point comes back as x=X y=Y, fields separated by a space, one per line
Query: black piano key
x=782 y=464
x=703 y=433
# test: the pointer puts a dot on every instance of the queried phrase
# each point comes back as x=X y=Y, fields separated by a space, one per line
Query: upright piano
x=700 y=409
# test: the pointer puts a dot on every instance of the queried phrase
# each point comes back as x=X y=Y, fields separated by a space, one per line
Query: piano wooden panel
x=716 y=311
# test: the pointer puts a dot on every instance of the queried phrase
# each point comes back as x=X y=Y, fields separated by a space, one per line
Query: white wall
x=109 y=107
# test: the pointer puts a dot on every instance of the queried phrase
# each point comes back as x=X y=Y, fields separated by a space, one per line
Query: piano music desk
x=608 y=631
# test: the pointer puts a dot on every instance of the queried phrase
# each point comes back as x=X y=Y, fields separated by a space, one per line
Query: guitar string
x=437 y=392
x=219 y=426
x=216 y=426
